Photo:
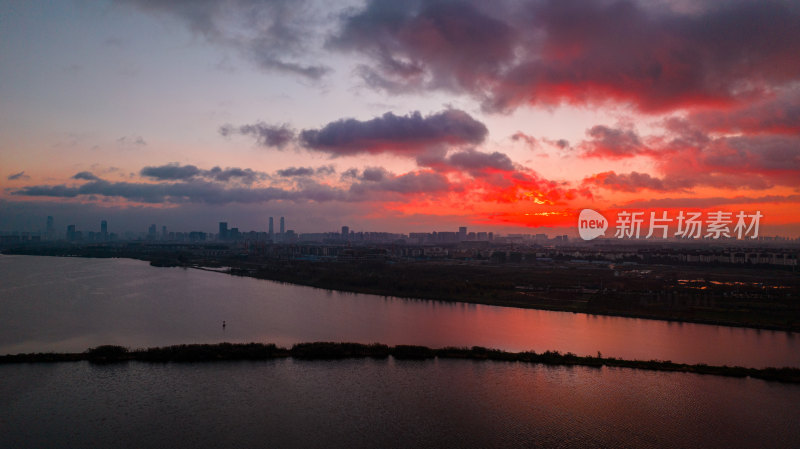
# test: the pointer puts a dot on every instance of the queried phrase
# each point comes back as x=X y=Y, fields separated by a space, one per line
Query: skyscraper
x=51 y=230
x=71 y=233
x=103 y=230
x=271 y=228
x=283 y=226
x=223 y=230
x=462 y=233
x=151 y=232
x=345 y=232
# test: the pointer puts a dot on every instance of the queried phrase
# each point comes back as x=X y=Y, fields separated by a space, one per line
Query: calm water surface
x=70 y=304
x=387 y=404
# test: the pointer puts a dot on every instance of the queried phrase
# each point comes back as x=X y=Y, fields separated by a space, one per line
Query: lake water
x=71 y=304
x=386 y=404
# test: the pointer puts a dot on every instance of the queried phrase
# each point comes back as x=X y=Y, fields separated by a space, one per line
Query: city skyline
x=430 y=115
x=224 y=232
x=196 y=232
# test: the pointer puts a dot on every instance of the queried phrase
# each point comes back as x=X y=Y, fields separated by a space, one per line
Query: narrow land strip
x=331 y=350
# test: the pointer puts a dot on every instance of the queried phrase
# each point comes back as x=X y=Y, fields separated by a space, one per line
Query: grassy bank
x=330 y=350
x=569 y=289
x=753 y=297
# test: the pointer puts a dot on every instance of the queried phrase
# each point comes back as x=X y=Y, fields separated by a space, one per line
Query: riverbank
x=748 y=297
x=329 y=350
x=565 y=289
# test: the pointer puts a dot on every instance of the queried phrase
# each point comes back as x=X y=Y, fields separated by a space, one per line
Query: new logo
x=591 y=224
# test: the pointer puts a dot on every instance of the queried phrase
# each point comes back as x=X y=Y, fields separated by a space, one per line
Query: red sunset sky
x=507 y=116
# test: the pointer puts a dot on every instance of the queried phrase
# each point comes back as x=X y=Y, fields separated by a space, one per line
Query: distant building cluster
x=437 y=243
x=462 y=246
x=226 y=234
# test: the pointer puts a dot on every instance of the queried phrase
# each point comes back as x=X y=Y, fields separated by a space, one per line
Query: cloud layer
x=177 y=172
x=461 y=175
x=577 y=51
x=276 y=136
x=410 y=134
x=697 y=102
x=274 y=34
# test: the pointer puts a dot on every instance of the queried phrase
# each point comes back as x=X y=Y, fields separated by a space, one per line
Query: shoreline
x=347 y=281
x=108 y=354
x=501 y=303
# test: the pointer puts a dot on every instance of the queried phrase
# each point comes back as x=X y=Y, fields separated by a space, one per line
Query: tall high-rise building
x=151 y=232
x=104 y=228
x=71 y=233
x=462 y=233
x=271 y=228
x=163 y=232
x=283 y=226
x=223 y=230
x=345 y=232
x=51 y=229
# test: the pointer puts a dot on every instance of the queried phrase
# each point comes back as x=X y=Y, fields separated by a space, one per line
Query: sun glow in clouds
x=454 y=112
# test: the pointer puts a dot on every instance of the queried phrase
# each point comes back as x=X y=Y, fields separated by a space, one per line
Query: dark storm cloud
x=472 y=160
x=57 y=191
x=177 y=172
x=368 y=174
x=86 y=176
x=244 y=175
x=296 y=171
x=350 y=173
x=613 y=143
x=631 y=182
x=326 y=170
x=414 y=182
x=455 y=44
x=377 y=181
x=170 y=172
x=193 y=191
x=373 y=174
x=510 y=53
x=200 y=191
x=476 y=163
x=407 y=135
x=276 y=136
x=777 y=114
x=685 y=158
x=212 y=187
x=752 y=161
x=272 y=33
x=755 y=159
x=755 y=153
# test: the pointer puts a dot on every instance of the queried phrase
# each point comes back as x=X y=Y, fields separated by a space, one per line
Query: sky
x=507 y=116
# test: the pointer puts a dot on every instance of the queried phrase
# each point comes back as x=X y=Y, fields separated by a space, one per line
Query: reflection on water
x=387 y=403
x=70 y=304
